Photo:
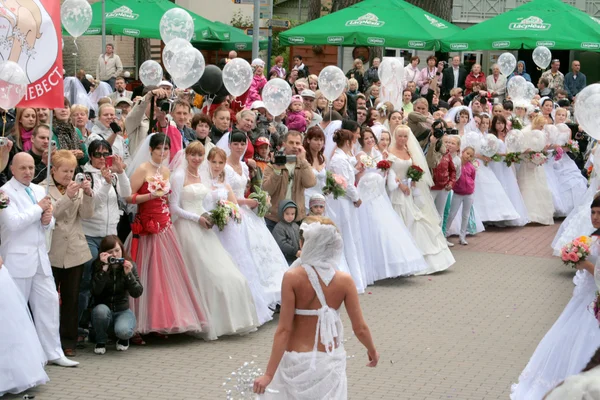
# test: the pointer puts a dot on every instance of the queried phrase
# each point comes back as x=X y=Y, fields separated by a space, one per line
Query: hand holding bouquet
x=512 y=158
x=572 y=146
x=335 y=185
x=158 y=186
x=224 y=212
x=4 y=200
x=414 y=173
x=537 y=158
x=576 y=251
x=384 y=165
x=264 y=201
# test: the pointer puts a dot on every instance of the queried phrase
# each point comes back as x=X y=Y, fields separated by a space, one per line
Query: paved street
x=463 y=334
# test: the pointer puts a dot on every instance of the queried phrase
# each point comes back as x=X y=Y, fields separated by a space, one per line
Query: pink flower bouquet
x=335 y=185
x=576 y=251
x=159 y=186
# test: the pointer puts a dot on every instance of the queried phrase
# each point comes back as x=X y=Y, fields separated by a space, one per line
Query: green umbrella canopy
x=549 y=23
x=141 y=18
x=390 y=23
x=238 y=40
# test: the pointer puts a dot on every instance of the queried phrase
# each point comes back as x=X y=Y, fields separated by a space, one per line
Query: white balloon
x=176 y=23
x=535 y=140
x=76 y=16
x=490 y=145
x=151 y=73
x=277 y=96
x=587 y=108
x=390 y=71
x=189 y=67
x=516 y=87
x=237 y=76
x=13 y=84
x=507 y=63
x=332 y=82
x=514 y=141
x=542 y=56
x=529 y=91
x=173 y=47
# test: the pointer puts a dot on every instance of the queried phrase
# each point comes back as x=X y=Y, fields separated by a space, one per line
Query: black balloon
x=211 y=80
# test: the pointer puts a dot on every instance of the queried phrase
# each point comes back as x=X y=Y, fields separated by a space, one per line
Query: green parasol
x=238 y=40
x=549 y=23
x=141 y=19
x=390 y=23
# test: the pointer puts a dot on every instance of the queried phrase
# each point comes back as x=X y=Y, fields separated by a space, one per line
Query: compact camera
x=114 y=260
x=3 y=141
x=280 y=158
x=164 y=105
x=79 y=178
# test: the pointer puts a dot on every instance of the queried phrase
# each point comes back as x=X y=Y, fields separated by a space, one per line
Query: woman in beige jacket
x=69 y=250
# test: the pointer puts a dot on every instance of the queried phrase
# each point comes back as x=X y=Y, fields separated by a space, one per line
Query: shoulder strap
x=314 y=281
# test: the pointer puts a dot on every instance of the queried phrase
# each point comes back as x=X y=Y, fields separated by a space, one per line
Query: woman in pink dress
x=170 y=301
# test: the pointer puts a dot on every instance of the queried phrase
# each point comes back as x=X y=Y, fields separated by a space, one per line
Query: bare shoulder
x=344 y=278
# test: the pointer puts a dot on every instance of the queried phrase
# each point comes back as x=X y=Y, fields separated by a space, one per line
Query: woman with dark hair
x=427 y=74
x=115 y=280
x=202 y=125
x=344 y=208
x=245 y=122
x=546 y=108
x=22 y=132
x=270 y=261
x=66 y=136
x=573 y=339
x=171 y=302
x=314 y=144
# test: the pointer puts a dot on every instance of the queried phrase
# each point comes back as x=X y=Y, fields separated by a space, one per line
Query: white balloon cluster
x=332 y=82
x=13 y=84
x=586 y=110
x=277 y=96
x=76 y=16
x=519 y=89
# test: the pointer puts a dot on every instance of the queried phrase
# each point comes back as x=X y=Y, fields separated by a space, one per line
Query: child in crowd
x=463 y=192
x=262 y=152
x=295 y=119
x=317 y=204
x=444 y=177
x=484 y=125
x=287 y=232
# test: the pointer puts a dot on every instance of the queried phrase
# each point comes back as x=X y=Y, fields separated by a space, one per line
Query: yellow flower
x=585 y=239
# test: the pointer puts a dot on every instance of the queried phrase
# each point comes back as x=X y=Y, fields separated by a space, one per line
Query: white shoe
x=463 y=241
x=64 y=362
x=122 y=347
x=449 y=243
x=100 y=350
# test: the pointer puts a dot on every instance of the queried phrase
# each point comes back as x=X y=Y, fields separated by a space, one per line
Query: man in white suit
x=23 y=247
x=120 y=91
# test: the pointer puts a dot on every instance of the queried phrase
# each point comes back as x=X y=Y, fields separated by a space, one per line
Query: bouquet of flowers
x=4 y=200
x=476 y=164
x=537 y=158
x=367 y=161
x=576 y=251
x=224 y=212
x=414 y=173
x=264 y=201
x=335 y=185
x=384 y=165
x=558 y=153
x=516 y=123
x=512 y=158
x=159 y=186
x=572 y=146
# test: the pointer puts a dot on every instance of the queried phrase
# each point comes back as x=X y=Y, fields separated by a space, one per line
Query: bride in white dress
x=423 y=223
x=22 y=359
x=314 y=144
x=390 y=251
x=263 y=248
x=573 y=339
x=224 y=292
x=233 y=237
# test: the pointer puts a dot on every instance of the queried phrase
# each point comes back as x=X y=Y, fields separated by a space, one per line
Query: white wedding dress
x=390 y=250
x=22 y=359
x=264 y=250
x=233 y=239
x=536 y=193
x=425 y=231
x=224 y=291
x=568 y=346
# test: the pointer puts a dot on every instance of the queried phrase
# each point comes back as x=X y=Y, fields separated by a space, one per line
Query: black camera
x=280 y=158
x=164 y=105
x=114 y=260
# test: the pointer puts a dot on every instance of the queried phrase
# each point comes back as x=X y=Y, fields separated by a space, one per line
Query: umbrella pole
x=103 y=26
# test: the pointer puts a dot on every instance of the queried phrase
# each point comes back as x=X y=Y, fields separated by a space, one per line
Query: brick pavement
x=462 y=334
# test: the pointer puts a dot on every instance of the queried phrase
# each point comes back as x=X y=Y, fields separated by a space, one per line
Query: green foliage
x=239 y=20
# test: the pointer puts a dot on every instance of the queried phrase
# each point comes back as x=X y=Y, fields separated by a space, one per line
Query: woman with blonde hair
x=80 y=118
x=313 y=82
x=357 y=72
x=341 y=105
x=72 y=201
x=321 y=104
x=305 y=364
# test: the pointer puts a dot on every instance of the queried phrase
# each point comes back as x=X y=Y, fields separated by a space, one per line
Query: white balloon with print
x=237 y=76
x=150 y=73
x=514 y=141
x=332 y=82
x=188 y=67
x=507 y=63
x=176 y=23
x=587 y=106
x=277 y=96
x=542 y=56
x=76 y=16
x=172 y=48
x=516 y=87
x=13 y=84
x=390 y=71
x=529 y=91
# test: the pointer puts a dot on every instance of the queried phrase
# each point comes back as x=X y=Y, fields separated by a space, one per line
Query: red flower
x=384 y=165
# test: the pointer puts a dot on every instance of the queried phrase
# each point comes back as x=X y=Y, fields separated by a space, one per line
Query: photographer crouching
x=115 y=278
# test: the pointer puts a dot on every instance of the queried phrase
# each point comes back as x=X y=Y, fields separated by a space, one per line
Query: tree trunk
x=144 y=51
x=314 y=9
x=440 y=8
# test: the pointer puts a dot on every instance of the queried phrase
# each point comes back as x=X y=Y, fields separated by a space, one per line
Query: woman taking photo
x=69 y=250
x=115 y=280
x=102 y=131
x=171 y=303
x=300 y=367
x=224 y=291
x=66 y=136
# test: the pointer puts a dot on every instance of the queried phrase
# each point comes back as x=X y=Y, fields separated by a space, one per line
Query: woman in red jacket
x=474 y=76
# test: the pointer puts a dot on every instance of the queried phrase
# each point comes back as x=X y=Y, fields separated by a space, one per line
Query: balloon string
x=76 y=47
